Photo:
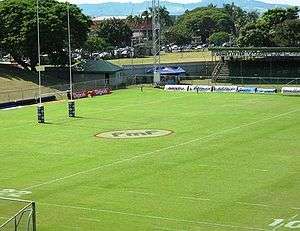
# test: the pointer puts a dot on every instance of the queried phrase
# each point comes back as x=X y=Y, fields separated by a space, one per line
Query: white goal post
x=24 y=218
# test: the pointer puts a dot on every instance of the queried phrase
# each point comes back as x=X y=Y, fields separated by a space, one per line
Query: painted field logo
x=133 y=134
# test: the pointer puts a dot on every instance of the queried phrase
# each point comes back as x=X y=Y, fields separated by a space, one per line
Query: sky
x=292 y=2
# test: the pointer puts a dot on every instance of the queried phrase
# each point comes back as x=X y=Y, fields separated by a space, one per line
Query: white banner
x=247 y=89
x=200 y=88
x=176 y=87
x=265 y=90
x=290 y=90
x=225 y=88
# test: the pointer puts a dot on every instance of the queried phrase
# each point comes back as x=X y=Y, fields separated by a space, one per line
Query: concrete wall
x=192 y=69
x=62 y=74
x=83 y=77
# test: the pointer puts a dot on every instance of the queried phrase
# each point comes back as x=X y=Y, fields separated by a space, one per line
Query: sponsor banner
x=225 y=89
x=200 y=88
x=79 y=95
x=290 y=90
x=102 y=91
x=266 y=90
x=247 y=89
x=92 y=93
x=176 y=87
x=133 y=134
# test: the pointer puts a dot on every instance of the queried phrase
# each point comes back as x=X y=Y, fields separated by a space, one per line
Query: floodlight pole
x=71 y=102
x=40 y=107
x=156 y=40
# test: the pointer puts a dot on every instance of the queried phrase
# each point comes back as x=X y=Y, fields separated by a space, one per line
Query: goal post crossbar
x=16 y=218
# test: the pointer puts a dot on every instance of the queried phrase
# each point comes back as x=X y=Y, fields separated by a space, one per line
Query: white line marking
x=68 y=226
x=147 y=216
x=194 y=198
x=284 y=223
x=14 y=108
x=293 y=217
x=141 y=193
x=176 y=196
x=261 y=170
x=157 y=150
x=263 y=205
x=277 y=227
x=256 y=204
x=206 y=199
x=168 y=229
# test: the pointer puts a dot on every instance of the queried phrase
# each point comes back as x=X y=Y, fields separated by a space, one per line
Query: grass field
x=168 y=58
x=231 y=163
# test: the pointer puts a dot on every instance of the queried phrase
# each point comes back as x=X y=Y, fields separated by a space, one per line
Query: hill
x=16 y=84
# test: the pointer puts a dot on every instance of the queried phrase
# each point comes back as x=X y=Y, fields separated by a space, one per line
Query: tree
x=115 y=31
x=278 y=15
x=287 y=34
x=204 y=22
x=146 y=16
x=254 y=37
x=178 y=35
x=219 y=38
x=18 y=30
x=95 y=44
x=239 y=16
x=165 y=18
x=276 y=27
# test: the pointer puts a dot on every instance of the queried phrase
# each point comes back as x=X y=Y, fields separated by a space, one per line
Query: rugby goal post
x=23 y=218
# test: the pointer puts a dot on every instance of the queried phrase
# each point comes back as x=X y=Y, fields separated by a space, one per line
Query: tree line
x=18 y=30
x=212 y=25
x=276 y=27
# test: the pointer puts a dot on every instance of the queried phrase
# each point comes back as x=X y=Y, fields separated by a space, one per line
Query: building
x=89 y=74
x=100 y=70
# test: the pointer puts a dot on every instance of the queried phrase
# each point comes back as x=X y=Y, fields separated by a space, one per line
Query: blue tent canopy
x=172 y=70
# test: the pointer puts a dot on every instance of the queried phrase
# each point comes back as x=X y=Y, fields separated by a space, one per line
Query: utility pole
x=40 y=107
x=156 y=40
x=71 y=102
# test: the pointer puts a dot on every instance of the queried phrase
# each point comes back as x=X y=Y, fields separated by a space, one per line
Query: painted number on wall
x=8 y=192
x=287 y=224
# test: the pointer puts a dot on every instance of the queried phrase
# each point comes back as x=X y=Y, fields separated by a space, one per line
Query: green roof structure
x=97 y=66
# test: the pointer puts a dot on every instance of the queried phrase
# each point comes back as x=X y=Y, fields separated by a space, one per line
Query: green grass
x=232 y=162
x=181 y=57
x=16 y=84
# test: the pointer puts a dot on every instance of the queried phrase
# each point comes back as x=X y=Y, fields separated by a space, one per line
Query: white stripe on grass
x=282 y=224
x=154 y=217
x=157 y=151
x=195 y=198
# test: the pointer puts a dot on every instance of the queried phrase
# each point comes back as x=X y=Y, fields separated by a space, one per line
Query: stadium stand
x=253 y=65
